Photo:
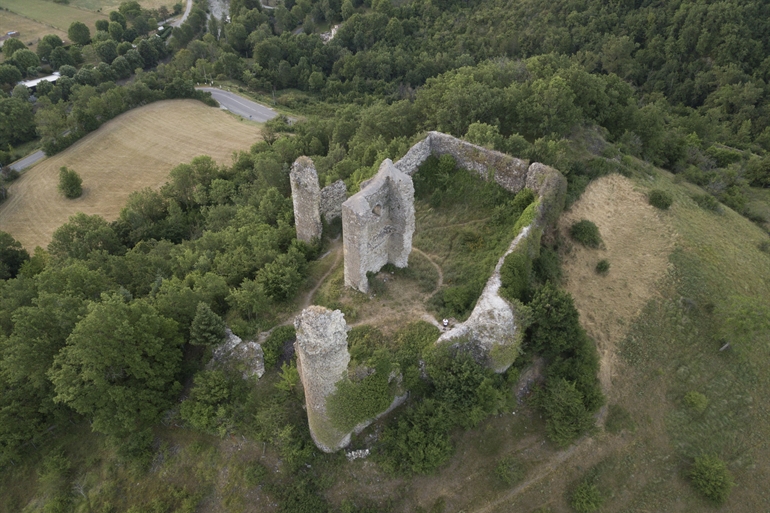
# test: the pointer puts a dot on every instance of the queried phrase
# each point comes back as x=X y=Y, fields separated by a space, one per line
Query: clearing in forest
x=131 y=152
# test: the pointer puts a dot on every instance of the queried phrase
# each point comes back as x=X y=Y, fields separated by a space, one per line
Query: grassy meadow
x=53 y=15
x=30 y=31
x=131 y=152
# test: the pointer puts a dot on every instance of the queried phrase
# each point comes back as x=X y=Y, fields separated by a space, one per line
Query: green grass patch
x=467 y=223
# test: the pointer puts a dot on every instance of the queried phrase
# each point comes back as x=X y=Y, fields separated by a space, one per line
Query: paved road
x=28 y=161
x=187 y=10
x=239 y=105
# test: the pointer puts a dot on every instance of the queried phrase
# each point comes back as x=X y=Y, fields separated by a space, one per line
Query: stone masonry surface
x=306 y=195
x=377 y=225
x=332 y=198
x=322 y=361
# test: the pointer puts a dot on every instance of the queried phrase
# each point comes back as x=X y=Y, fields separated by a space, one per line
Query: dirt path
x=440 y=272
x=337 y=250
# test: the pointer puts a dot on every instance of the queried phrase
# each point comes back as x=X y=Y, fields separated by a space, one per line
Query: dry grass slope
x=133 y=151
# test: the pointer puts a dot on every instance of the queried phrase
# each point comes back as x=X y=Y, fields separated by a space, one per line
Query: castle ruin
x=377 y=225
x=306 y=195
x=322 y=361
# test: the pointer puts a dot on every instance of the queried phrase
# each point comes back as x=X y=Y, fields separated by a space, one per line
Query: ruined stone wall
x=306 y=195
x=377 y=225
x=332 y=198
x=322 y=361
x=492 y=327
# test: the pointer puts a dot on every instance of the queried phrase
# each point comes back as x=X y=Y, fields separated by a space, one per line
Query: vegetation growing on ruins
x=590 y=88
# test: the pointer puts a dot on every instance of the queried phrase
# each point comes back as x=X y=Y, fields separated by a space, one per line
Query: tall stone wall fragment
x=332 y=198
x=377 y=225
x=306 y=195
x=322 y=361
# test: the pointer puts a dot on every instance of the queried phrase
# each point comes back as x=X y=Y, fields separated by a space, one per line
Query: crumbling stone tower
x=306 y=195
x=377 y=225
x=322 y=361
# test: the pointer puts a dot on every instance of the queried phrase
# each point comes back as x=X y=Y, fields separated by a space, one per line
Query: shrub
x=509 y=470
x=711 y=478
x=586 y=498
x=586 y=233
x=696 y=401
x=419 y=441
x=208 y=407
x=515 y=273
x=603 y=267
x=660 y=199
x=273 y=346
x=706 y=201
x=566 y=415
x=70 y=183
x=547 y=267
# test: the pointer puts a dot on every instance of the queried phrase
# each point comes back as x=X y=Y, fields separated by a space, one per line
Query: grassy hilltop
x=642 y=383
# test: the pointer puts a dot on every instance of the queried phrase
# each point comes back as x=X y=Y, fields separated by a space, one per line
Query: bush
x=706 y=201
x=509 y=470
x=711 y=478
x=273 y=346
x=603 y=267
x=660 y=199
x=547 y=267
x=515 y=273
x=586 y=498
x=696 y=401
x=586 y=233
x=566 y=415
x=419 y=441
x=70 y=183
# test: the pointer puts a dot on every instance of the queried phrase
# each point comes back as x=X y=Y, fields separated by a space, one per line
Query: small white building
x=32 y=84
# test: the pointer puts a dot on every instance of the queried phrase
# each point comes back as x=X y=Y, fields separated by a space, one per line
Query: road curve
x=241 y=106
x=187 y=10
x=28 y=161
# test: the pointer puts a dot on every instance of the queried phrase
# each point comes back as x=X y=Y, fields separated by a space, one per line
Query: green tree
x=208 y=408
x=566 y=416
x=9 y=75
x=24 y=60
x=17 y=121
x=83 y=234
x=207 y=328
x=79 y=33
x=12 y=256
x=70 y=183
x=120 y=365
x=11 y=45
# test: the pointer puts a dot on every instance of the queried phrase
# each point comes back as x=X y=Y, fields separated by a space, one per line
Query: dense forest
x=587 y=86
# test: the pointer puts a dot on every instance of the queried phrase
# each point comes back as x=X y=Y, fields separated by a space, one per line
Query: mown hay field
x=112 y=5
x=30 y=31
x=54 y=15
x=131 y=152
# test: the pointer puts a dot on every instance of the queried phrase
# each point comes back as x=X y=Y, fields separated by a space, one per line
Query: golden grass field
x=112 y=5
x=131 y=152
x=30 y=31
x=51 y=14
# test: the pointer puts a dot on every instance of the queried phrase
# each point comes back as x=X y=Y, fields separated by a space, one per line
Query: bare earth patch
x=637 y=242
x=133 y=151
